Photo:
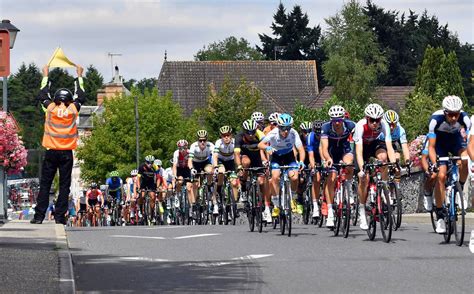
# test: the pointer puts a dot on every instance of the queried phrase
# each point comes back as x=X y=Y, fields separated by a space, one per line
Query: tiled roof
x=282 y=83
x=85 y=116
x=392 y=96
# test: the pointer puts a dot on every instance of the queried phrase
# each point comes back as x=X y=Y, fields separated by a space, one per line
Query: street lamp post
x=5 y=25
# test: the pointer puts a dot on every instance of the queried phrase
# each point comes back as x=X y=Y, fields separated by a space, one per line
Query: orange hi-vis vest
x=60 y=129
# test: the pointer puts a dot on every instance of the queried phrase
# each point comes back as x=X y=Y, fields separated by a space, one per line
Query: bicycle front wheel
x=459 y=214
x=371 y=231
x=396 y=206
x=385 y=213
x=346 y=209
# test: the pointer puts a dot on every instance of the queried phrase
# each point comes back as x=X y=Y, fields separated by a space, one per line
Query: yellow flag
x=60 y=60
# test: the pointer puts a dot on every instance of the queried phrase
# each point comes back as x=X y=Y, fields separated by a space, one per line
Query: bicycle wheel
x=233 y=205
x=307 y=206
x=346 y=209
x=371 y=231
x=396 y=206
x=355 y=210
x=458 y=221
x=258 y=218
x=337 y=215
x=448 y=223
x=385 y=213
x=282 y=222
x=321 y=216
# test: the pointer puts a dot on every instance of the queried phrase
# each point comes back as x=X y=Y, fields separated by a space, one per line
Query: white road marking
x=138 y=258
x=210 y=263
x=196 y=236
x=252 y=256
x=138 y=237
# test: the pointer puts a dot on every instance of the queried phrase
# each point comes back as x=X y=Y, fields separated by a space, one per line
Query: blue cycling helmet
x=285 y=120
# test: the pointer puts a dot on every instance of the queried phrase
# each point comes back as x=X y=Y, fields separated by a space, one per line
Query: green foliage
x=230 y=48
x=231 y=105
x=112 y=143
x=59 y=78
x=295 y=39
x=439 y=75
x=302 y=113
x=415 y=117
x=93 y=81
x=142 y=85
x=355 y=61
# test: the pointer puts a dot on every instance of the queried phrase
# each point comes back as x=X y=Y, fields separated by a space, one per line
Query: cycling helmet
x=391 y=117
x=452 y=103
x=257 y=116
x=134 y=172
x=114 y=174
x=317 y=124
x=62 y=95
x=225 y=130
x=273 y=118
x=182 y=143
x=202 y=134
x=157 y=162
x=374 y=111
x=306 y=126
x=93 y=185
x=149 y=158
x=336 y=111
x=285 y=120
x=249 y=125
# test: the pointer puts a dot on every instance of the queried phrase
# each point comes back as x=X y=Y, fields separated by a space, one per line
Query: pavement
x=34 y=258
x=38 y=259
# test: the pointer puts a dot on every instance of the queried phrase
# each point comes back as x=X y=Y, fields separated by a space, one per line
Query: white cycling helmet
x=257 y=116
x=306 y=126
x=182 y=143
x=134 y=172
x=157 y=162
x=374 y=111
x=452 y=103
x=273 y=118
x=149 y=158
x=249 y=125
x=336 y=111
x=202 y=134
x=391 y=117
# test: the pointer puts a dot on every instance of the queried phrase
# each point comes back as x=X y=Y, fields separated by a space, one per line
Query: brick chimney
x=110 y=90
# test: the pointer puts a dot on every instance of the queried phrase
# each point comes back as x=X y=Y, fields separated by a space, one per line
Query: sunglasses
x=337 y=120
x=274 y=124
x=225 y=135
x=374 y=120
x=200 y=140
x=305 y=131
x=182 y=148
x=449 y=113
x=285 y=129
x=250 y=133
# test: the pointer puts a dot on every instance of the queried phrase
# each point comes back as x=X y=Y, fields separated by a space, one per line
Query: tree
x=112 y=143
x=416 y=114
x=231 y=105
x=293 y=39
x=60 y=78
x=142 y=85
x=354 y=58
x=93 y=81
x=230 y=48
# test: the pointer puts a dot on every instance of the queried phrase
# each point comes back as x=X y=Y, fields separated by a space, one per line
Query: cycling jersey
x=338 y=144
x=397 y=134
x=246 y=144
x=93 y=194
x=131 y=184
x=168 y=175
x=471 y=131
x=364 y=134
x=147 y=177
x=181 y=158
x=114 y=183
x=449 y=137
x=283 y=145
x=199 y=155
x=224 y=152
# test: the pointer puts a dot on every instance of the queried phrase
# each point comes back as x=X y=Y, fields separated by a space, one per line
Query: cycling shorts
x=200 y=166
x=183 y=172
x=371 y=149
x=229 y=165
x=337 y=153
x=453 y=144
x=93 y=202
x=285 y=159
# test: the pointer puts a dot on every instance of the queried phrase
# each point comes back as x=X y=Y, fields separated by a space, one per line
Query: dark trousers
x=54 y=160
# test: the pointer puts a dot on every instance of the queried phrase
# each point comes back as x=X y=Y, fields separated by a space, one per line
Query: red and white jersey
x=364 y=134
x=181 y=158
x=93 y=194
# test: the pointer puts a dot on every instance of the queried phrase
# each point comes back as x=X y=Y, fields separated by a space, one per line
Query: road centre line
x=137 y=237
x=165 y=238
x=196 y=236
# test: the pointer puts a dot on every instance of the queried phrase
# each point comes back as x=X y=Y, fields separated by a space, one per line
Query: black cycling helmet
x=317 y=124
x=62 y=95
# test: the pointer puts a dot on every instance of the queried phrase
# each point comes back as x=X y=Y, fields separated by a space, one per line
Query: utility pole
x=137 y=132
x=111 y=55
x=280 y=49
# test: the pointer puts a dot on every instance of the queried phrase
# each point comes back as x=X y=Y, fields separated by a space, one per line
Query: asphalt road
x=231 y=259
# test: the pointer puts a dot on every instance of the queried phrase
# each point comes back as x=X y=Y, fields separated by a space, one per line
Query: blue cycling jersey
x=312 y=142
x=439 y=126
x=114 y=183
x=398 y=134
x=336 y=140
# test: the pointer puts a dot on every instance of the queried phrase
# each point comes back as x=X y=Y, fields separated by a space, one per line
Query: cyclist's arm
x=359 y=155
x=431 y=148
x=262 y=145
x=301 y=153
x=138 y=182
x=470 y=147
x=190 y=163
x=101 y=195
x=237 y=160
x=324 y=149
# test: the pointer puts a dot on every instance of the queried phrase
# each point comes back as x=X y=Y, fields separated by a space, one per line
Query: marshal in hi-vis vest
x=60 y=129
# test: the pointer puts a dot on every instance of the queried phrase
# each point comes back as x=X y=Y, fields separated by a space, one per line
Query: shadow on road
x=114 y=273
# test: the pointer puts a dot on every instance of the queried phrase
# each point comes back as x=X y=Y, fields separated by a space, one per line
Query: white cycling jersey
x=280 y=144
x=224 y=152
x=471 y=131
x=168 y=175
x=199 y=155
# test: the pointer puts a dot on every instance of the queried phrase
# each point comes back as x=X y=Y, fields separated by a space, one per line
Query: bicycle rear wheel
x=433 y=218
x=346 y=209
x=458 y=222
x=396 y=206
x=385 y=214
x=448 y=223
x=355 y=209
x=258 y=218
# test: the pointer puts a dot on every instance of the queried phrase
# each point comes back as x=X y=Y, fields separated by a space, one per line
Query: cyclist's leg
x=381 y=154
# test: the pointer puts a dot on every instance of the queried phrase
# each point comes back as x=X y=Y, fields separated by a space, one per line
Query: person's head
x=337 y=115
x=202 y=138
x=134 y=173
x=114 y=175
x=273 y=119
x=285 y=122
x=250 y=127
x=317 y=125
x=149 y=160
x=226 y=134
x=182 y=145
x=306 y=127
x=93 y=185
x=391 y=118
x=373 y=114
x=259 y=118
x=452 y=106
x=63 y=95
x=157 y=164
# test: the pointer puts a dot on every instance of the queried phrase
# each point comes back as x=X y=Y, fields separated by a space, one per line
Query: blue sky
x=141 y=30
